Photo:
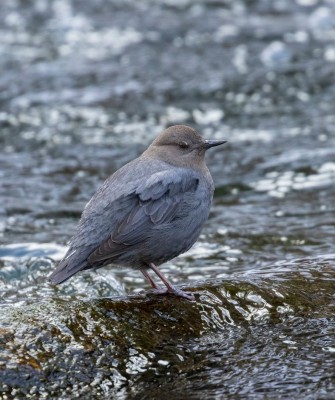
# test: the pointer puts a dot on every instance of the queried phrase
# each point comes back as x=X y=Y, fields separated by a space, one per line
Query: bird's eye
x=183 y=145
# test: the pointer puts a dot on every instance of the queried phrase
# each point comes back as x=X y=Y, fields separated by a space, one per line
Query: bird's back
x=148 y=211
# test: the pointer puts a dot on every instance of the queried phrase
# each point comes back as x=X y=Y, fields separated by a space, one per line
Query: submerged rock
x=101 y=347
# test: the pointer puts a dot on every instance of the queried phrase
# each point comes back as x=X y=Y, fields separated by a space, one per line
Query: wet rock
x=102 y=347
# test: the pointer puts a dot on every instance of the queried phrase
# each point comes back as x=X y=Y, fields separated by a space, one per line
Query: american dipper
x=148 y=212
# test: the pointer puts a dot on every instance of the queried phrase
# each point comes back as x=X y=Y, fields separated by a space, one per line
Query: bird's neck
x=195 y=162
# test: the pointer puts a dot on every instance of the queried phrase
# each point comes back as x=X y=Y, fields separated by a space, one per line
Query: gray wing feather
x=158 y=203
x=122 y=214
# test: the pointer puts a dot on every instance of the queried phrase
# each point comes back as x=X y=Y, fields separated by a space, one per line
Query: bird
x=148 y=212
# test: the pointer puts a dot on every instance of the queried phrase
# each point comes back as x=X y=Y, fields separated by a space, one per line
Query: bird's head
x=181 y=145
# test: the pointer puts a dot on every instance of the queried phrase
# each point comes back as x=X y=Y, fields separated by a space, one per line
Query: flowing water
x=84 y=87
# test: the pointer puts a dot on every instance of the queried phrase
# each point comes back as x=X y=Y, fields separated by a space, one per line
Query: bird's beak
x=212 y=143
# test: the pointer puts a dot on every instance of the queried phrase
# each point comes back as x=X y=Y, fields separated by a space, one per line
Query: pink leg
x=157 y=289
x=148 y=278
x=170 y=288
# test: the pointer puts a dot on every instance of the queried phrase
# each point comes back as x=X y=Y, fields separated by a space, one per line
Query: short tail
x=69 y=266
x=61 y=274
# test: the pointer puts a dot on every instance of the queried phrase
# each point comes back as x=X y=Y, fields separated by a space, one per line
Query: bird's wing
x=122 y=213
x=159 y=201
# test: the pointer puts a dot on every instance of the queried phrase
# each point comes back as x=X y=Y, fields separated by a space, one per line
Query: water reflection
x=278 y=184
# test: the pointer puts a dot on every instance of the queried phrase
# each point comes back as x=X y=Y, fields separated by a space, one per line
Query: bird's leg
x=157 y=289
x=169 y=286
x=149 y=279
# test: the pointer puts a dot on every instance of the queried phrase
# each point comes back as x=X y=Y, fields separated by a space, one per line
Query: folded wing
x=107 y=230
x=159 y=202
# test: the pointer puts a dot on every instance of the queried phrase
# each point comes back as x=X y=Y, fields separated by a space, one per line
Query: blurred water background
x=84 y=87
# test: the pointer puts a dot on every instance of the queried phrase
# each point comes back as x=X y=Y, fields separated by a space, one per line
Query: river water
x=84 y=88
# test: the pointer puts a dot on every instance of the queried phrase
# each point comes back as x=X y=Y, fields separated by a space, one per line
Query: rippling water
x=84 y=87
x=269 y=332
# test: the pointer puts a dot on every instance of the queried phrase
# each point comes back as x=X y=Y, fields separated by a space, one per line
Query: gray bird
x=148 y=212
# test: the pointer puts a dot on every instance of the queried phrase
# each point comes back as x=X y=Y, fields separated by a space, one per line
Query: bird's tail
x=70 y=265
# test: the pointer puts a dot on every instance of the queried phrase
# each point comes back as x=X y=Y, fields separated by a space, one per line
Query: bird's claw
x=175 y=292
x=184 y=295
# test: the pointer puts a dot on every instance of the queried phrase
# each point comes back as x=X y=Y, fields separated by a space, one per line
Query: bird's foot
x=174 y=291
x=170 y=289
x=184 y=295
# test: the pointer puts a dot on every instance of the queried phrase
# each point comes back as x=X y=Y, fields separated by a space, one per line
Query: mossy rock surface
x=102 y=347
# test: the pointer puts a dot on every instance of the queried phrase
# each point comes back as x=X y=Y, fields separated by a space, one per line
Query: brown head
x=181 y=145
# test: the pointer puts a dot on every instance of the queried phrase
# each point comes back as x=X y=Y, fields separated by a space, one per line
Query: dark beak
x=212 y=143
